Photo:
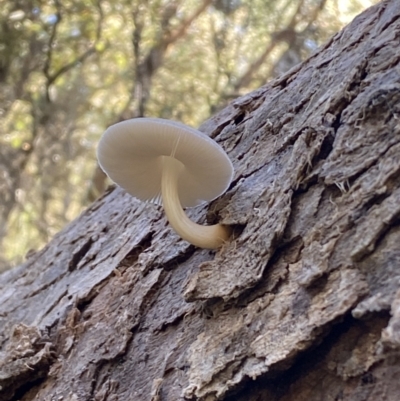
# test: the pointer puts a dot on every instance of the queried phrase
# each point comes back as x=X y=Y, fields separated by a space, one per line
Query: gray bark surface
x=304 y=303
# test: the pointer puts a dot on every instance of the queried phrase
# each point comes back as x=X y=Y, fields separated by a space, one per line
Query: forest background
x=70 y=68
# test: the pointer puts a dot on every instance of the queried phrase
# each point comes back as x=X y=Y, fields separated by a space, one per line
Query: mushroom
x=170 y=163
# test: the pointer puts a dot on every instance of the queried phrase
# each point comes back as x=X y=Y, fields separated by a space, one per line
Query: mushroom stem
x=209 y=237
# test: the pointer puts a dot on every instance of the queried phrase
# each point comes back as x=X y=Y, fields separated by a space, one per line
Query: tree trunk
x=304 y=302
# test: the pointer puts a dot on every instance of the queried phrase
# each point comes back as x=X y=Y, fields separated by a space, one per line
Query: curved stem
x=210 y=237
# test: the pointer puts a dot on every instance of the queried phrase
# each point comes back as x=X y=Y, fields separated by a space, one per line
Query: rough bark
x=304 y=304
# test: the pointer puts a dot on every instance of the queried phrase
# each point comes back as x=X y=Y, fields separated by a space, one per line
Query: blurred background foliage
x=70 y=68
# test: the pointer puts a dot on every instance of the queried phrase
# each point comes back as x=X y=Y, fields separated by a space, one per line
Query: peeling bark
x=304 y=303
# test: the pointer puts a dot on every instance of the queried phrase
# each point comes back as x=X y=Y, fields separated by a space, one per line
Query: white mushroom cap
x=131 y=151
